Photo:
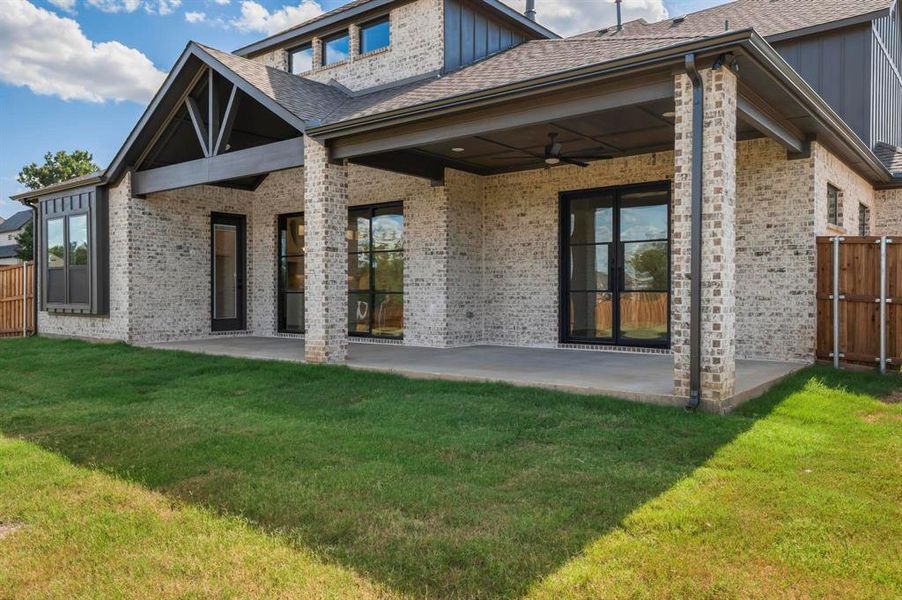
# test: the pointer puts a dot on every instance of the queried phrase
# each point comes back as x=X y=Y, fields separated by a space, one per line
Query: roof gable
x=15 y=222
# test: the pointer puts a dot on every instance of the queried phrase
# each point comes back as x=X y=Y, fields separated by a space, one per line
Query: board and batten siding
x=886 y=94
x=837 y=64
x=471 y=35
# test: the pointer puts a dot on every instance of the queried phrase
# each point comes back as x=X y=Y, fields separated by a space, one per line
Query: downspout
x=695 y=259
x=35 y=228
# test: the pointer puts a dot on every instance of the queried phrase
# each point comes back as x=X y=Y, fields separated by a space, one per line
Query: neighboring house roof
x=891 y=156
x=768 y=17
x=358 y=7
x=16 y=222
x=9 y=251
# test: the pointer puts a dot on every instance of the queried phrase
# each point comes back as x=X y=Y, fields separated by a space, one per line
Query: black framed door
x=615 y=266
x=376 y=270
x=290 y=254
x=228 y=258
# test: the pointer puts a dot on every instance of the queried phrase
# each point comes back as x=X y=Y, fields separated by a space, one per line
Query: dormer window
x=336 y=48
x=375 y=35
x=300 y=59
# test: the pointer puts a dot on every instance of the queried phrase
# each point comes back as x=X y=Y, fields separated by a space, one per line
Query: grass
x=134 y=472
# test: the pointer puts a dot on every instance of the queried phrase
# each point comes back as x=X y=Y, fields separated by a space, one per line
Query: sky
x=77 y=74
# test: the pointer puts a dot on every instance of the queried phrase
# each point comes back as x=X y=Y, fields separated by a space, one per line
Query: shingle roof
x=527 y=61
x=9 y=251
x=891 y=156
x=15 y=222
x=767 y=17
x=305 y=98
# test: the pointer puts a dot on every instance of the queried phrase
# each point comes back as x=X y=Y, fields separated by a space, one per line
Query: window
x=74 y=257
x=833 y=207
x=864 y=220
x=67 y=259
x=375 y=35
x=336 y=48
x=291 y=273
x=300 y=60
x=376 y=271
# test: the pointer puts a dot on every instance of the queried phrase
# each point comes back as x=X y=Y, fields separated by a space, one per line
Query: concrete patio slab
x=633 y=376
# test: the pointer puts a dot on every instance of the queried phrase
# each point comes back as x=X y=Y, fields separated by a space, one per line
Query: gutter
x=695 y=235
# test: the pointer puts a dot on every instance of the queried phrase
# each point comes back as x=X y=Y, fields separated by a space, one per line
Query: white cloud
x=221 y=2
x=162 y=7
x=66 y=5
x=72 y=67
x=255 y=17
x=569 y=17
x=115 y=6
x=195 y=17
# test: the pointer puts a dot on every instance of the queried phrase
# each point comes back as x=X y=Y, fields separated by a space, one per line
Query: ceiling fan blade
x=570 y=161
x=554 y=149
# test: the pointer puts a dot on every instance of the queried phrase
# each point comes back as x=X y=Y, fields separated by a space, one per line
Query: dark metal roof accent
x=356 y=8
x=91 y=178
x=15 y=222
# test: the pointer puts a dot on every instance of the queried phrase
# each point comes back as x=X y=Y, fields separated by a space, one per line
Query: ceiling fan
x=553 y=154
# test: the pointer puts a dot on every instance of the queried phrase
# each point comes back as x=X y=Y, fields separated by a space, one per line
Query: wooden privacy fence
x=859 y=300
x=17 y=300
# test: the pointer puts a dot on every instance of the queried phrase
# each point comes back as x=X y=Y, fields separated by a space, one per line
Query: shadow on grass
x=432 y=488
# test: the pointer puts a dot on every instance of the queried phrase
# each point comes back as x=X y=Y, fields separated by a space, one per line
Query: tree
x=56 y=168
x=24 y=251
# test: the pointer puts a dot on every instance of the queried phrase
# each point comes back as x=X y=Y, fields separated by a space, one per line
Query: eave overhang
x=824 y=121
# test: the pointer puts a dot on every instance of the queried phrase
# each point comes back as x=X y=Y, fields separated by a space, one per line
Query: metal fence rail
x=859 y=300
x=16 y=300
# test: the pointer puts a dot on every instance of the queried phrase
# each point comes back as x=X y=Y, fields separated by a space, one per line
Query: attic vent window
x=300 y=59
x=375 y=35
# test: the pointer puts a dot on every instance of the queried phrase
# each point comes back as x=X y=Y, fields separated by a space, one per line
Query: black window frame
x=372 y=23
x=616 y=270
x=281 y=316
x=834 y=197
x=296 y=49
x=89 y=202
x=372 y=292
x=324 y=59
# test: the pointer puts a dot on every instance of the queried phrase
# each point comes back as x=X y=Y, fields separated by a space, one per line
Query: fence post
x=836 y=241
x=883 y=242
x=25 y=299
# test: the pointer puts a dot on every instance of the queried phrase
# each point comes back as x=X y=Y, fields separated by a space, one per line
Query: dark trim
x=342 y=33
x=240 y=321
x=615 y=274
x=258 y=160
x=758 y=118
x=291 y=52
x=386 y=18
x=695 y=235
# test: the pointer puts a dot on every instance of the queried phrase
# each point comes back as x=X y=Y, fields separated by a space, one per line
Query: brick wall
x=854 y=190
x=417 y=47
x=888 y=216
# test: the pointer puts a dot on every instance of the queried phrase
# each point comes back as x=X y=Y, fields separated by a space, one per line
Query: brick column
x=326 y=268
x=718 y=343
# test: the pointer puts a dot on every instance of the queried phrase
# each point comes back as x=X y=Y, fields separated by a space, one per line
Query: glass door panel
x=376 y=271
x=617 y=266
x=292 y=253
x=227 y=272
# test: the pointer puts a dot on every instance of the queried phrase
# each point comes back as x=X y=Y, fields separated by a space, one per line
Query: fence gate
x=17 y=300
x=859 y=280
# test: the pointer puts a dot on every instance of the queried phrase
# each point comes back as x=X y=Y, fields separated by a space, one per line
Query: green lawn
x=134 y=472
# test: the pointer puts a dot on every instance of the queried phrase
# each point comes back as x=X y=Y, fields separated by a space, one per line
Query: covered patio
x=641 y=377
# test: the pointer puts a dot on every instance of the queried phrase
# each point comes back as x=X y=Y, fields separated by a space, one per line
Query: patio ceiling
x=623 y=131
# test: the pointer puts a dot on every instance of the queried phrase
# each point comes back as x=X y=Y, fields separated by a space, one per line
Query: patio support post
x=326 y=268
x=717 y=346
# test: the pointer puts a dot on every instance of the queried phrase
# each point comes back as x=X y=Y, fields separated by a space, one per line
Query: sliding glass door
x=615 y=260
